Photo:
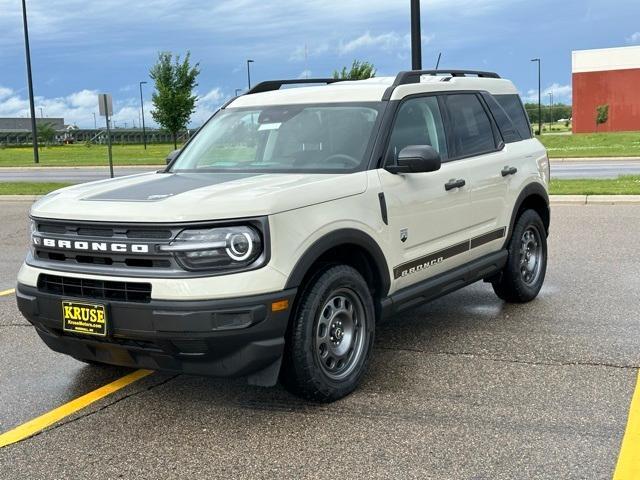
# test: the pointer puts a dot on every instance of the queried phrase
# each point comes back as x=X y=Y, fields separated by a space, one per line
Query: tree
x=46 y=133
x=559 y=111
x=602 y=115
x=173 y=99
x=359 y=71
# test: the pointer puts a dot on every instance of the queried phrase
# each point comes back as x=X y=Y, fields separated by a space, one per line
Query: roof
x=371 y=90
x=606 y=59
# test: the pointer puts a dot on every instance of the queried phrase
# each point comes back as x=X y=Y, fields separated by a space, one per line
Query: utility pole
x=550 y=108
x=95 y=124
x=105 y=104
x=539 y=95
x=416 y=36
x=249 y=62
x=144 y=130
x=34 y=129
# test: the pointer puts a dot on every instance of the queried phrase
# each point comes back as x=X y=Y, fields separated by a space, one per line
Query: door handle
x=451 y=184
x=509 y=171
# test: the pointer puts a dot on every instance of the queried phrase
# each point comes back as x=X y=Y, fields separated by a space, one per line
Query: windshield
x=287 y=138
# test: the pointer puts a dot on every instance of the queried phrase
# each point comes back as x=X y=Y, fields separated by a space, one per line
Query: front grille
x=95 y=289
x=125 y=263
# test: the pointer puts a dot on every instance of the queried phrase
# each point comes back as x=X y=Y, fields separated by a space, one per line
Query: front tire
x=523 y=275
x=331 y=337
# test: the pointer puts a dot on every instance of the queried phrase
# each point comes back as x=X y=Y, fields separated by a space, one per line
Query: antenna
x=438 y=62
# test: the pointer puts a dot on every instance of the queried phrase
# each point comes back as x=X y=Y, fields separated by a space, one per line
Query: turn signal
x=280 y=305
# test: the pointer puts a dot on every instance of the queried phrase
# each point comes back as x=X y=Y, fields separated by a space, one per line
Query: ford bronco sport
x=289 y=225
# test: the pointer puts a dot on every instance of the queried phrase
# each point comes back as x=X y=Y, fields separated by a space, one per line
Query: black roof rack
x=413 y=76
x=271 y=85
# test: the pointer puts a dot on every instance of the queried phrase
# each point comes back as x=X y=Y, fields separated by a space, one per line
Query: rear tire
x=331 y=336
x=522 y=277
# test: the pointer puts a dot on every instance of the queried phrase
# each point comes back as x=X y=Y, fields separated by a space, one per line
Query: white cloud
x=213 y=96
x=561 y=94
x=91 y=24
x=387 y=42
x=78 y=107
x=5 y=92
x=634 y=38
x=207 y=105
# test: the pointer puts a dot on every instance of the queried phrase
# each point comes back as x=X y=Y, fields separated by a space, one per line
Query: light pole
x=237 y=91
x=550 y=108
x=249 y=62
x=34 y=129
x=144 y=130
x=41 y=113
x=539 y=95
x=416 y=36
x=95 y=124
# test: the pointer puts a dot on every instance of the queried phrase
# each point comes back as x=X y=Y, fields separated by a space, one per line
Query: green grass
x=29 y=188
x=624 y=144
x=624 y=185
x=81 y=155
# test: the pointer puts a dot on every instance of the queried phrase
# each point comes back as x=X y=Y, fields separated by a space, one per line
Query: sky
x=83 y=47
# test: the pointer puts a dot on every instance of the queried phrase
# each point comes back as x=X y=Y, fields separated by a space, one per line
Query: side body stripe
x=440 y=256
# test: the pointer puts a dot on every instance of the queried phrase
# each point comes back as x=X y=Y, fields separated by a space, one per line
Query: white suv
x=290 y=224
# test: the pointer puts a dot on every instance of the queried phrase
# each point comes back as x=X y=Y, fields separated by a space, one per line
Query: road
x=565 y=169
x=466 y=387
x=594 y=169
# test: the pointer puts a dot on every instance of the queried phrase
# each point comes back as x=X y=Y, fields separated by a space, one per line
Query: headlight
x=33 y=229
x=222 y=248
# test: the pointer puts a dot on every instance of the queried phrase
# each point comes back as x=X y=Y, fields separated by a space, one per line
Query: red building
x=609 y=76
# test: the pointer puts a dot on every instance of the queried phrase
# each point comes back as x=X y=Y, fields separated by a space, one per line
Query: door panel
x=434 y=221
x=428 y=225
x=476 y=139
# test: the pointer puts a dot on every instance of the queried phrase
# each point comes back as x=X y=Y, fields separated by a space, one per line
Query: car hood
x=181 y=197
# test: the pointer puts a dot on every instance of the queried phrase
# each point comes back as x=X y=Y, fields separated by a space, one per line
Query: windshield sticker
x=269 y=126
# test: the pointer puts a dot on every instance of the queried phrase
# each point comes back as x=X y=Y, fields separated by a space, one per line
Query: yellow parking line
x=628 y=467
x=38 y=424
x=7 y=292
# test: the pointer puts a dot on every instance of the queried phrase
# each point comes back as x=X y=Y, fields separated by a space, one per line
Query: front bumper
x=223 y=338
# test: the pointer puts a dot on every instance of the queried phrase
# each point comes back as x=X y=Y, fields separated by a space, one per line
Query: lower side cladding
x=239 y=337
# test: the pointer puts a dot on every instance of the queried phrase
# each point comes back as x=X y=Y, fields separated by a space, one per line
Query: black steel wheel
x=522 y=277
x=331 y=336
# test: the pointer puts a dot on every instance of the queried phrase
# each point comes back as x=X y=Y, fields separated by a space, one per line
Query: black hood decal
x=167 y=185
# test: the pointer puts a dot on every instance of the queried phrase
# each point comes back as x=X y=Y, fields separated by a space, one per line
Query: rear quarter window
x=507 y=128
x=512 y=105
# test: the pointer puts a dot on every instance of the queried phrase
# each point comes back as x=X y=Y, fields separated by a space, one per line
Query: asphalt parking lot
x=463 y=388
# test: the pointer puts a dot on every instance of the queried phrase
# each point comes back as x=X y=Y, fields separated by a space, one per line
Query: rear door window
x=470 y=128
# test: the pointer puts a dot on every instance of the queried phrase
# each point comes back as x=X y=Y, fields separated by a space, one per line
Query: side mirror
x=416 y=159
x=171 y=157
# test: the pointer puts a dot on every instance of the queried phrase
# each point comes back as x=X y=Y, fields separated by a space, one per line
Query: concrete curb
x=594 y=199
x=554 y=199
x=19 y=198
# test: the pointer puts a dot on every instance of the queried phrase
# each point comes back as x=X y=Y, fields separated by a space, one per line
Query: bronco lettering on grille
x=91 y=246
